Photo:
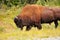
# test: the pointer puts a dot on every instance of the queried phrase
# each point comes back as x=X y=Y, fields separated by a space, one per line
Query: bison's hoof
x=21 y=28
x=27 y=29
x=39 y=28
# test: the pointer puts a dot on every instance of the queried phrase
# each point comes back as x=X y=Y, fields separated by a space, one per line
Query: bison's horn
x=16 y=17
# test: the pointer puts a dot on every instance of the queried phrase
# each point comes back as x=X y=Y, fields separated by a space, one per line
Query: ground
x=9 y=31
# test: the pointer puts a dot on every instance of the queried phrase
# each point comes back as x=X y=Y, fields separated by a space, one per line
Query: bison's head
x=18 y=22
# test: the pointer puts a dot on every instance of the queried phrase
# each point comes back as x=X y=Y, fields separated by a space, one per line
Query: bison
x=36 y=15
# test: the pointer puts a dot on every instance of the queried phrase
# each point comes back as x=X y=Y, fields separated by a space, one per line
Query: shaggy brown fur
x=35 y=15
x=30 y=15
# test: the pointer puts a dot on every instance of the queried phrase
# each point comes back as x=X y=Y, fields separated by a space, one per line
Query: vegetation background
x=11 y=8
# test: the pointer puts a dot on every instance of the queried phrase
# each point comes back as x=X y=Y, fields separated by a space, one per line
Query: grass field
x=9 y=31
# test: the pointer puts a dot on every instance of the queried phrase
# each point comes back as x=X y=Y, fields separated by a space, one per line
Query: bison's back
x=57 y=12
x=47 y=16
x=32 y=12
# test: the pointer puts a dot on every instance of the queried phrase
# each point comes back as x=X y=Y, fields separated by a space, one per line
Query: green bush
x=49 y=2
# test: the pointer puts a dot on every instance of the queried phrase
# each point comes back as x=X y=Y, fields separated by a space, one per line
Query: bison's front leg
x=21 y=27
x=28 y=28
x=38 y=25
x=56 y=23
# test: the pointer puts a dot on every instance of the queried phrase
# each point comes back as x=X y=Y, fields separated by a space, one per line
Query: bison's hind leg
x=56 y=23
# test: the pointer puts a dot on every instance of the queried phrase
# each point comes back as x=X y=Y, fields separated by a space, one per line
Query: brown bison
x=36 y=15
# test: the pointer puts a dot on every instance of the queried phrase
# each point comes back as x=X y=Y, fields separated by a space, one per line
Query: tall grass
x=49 y=2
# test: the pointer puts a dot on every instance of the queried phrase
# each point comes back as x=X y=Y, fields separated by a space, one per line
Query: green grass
x=9 y=31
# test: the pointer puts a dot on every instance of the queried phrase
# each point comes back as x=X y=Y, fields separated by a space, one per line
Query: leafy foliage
x=10 y=3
